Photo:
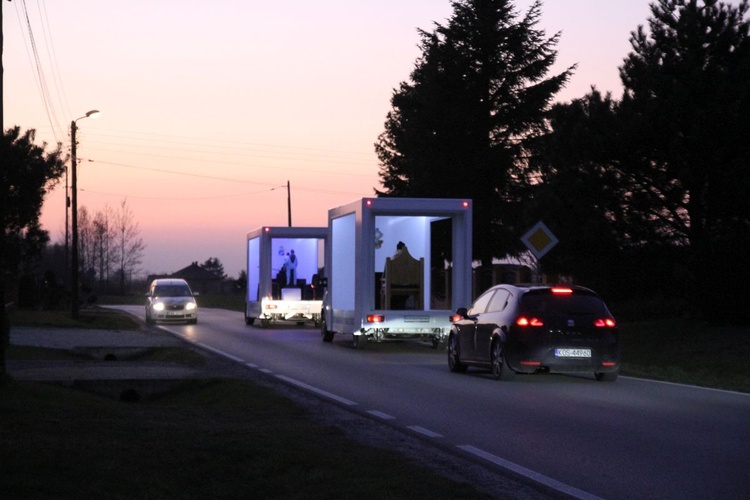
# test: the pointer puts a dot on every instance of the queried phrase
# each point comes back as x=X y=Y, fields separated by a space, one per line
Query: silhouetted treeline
x=648 y=194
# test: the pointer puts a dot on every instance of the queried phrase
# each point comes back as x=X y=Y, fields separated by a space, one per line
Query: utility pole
x=74 y=223
x=289 y=202
x=4 y=321
x=2 y=95
x=74 y=214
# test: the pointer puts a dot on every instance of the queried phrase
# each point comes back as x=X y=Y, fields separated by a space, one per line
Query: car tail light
x=454 y=318
x=271 y=306
x=524 y=321
x=375 y=318
x=561 y=290
x=605 y=323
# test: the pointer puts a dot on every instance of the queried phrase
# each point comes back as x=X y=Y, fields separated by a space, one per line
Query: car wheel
x=149 y=320
x=608 y=376
x=500 y=369
x=324 y=331
x=249 y=321
x=454 y=358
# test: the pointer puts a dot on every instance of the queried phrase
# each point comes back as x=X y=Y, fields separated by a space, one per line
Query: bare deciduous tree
x=129 y=244
x=105 y=252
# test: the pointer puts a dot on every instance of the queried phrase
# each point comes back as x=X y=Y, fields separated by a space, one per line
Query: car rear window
x=551 y=306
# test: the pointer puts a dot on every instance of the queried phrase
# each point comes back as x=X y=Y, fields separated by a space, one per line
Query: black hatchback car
x=536 y=328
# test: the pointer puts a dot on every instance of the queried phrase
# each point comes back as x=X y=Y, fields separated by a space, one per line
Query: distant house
x=199 y=279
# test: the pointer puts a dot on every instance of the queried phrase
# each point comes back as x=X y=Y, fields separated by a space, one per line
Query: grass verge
x=209 y=439
x=687 y=352
x=95 y=318
x=217 y=438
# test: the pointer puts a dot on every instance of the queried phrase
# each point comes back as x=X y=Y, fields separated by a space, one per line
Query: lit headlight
x=190 y=306
x=159 y=306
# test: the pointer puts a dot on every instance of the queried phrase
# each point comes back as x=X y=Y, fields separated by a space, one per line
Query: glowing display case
x=363 y=301
x=284 y=267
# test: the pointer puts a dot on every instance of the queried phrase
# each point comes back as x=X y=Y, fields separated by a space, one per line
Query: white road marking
x=424 y=432
x=380 y=414
x=664 y=382
x=220 y=352
x=327 y=394
x=175 y=333
x=530 y=474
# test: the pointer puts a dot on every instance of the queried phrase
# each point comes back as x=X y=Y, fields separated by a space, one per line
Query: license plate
x=573 y=353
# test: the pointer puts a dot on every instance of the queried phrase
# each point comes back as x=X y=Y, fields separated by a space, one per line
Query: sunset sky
x=209 y=108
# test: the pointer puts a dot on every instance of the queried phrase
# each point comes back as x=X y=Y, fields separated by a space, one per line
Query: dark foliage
x=26 y=172
x=652 y=190
x=459 y=127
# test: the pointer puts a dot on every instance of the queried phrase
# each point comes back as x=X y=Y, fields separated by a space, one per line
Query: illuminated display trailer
x=284 y=267
x=396 y=268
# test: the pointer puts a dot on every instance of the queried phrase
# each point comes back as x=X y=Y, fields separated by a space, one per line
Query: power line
x=220 y=150
x=242 y=164
x=53 y=58
x=186 y=174
x=185 y=198
x=40 y=78
x=194 y=140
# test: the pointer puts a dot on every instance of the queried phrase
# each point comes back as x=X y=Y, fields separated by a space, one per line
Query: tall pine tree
x=458 y=128
x=684 y=115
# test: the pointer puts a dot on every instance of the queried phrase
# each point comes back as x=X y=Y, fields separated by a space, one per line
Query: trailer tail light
x=524 y=321
x=605 y=323
x=375 y=318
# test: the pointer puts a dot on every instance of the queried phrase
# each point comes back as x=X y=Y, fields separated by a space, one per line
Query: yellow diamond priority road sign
x=539 y=239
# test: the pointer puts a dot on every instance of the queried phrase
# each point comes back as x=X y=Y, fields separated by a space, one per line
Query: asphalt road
x=630 y=439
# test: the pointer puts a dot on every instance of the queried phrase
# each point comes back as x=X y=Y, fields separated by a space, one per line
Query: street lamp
x=74 y=212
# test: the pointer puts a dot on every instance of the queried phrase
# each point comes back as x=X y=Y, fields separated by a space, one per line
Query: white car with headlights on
x=171 y=300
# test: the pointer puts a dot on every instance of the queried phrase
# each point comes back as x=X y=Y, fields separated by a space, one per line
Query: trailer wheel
x=358 y=341
x=324 y=331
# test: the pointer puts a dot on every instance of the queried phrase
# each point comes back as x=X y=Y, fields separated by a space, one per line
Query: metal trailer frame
x=349 y=301
x=260 y=273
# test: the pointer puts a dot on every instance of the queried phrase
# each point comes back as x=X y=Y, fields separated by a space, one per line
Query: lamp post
x=74 y=213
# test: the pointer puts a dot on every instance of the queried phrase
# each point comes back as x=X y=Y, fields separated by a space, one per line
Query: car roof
x=168 y=282
x=526 y=287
